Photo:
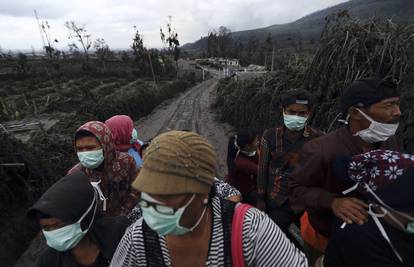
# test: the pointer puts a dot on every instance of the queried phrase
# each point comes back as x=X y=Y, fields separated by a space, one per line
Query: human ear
x=354 y=114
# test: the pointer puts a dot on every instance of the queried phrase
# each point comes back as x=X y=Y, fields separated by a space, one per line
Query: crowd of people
x=293 y=195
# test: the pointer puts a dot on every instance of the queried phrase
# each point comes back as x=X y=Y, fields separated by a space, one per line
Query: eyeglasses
x=158 y=207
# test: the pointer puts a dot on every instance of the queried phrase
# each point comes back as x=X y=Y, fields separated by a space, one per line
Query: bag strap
x=237 y=234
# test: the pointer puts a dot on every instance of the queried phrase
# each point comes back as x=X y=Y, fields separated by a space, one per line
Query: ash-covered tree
x=102 y=51
x=170 y=38
x=142 y=57
x=225 y=42
x=80 y=36
x=49 y=43
x=21 y=63
x=140 y=52
x=220 y=43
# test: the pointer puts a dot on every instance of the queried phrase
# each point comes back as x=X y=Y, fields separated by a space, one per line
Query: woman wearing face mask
x=242 y=165
x=75 y=230
x=184 y=224
x=126 y=137
x=112 y=170
x=384 y=180
x=279 y=153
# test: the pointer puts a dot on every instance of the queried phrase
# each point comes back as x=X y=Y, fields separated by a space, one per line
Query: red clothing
x=244 y=175
x=121 y=127
x=117 y=175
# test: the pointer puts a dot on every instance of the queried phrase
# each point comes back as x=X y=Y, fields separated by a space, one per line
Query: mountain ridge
x=310 y=26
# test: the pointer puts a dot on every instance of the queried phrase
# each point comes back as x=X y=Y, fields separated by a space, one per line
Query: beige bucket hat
x=177 y=162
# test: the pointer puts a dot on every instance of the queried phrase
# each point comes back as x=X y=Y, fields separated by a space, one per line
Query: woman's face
x=49 y=224
x=193 y=210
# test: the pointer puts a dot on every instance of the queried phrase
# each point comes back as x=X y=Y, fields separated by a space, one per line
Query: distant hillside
x=310 y=26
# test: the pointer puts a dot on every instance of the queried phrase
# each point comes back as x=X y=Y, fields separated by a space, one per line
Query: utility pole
x=273 y=57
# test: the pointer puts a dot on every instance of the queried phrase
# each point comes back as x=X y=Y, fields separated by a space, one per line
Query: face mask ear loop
x=94 y=201
x=199 y=219
x=236 y=146
x=365 y=115
x=100 y=193
x=382 y=230
x=369 y=190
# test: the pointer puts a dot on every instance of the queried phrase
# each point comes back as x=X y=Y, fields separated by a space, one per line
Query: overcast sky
x=113 y=20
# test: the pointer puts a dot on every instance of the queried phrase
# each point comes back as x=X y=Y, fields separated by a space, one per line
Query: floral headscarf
x=119 y=171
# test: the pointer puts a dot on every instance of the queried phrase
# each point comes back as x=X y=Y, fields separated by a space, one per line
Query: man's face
x=87 y=143
x=386 y=111
x=297 y=109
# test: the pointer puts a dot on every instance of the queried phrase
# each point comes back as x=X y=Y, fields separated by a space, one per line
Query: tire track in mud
x=190 y=111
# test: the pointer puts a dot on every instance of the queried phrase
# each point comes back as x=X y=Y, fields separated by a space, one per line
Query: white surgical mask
x=376 y=132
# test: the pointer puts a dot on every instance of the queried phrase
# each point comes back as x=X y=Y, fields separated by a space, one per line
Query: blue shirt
x=133 y=153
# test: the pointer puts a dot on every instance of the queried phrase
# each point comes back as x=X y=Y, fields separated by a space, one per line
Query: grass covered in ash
x=68 y=99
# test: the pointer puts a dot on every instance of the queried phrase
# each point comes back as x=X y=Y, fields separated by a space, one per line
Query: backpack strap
x=237 y=234
x=227 y=211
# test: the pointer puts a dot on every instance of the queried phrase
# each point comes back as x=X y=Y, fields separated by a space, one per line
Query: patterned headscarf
x=387 y=179
x=119 y=170
x=379 y=168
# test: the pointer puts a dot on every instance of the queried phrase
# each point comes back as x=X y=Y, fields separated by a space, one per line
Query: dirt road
x=191 y=111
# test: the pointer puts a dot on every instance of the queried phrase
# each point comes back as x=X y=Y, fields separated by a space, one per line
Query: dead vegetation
x=349 y=49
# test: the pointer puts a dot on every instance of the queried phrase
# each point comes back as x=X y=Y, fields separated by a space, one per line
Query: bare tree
x=102 y=51
x=170 y=38
x=21 y=63
x=52 y=53
x=140 y=53
x=80 y=34
x=138 y=47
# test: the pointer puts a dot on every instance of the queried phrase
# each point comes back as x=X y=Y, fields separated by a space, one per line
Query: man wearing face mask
x=279 y=153
x=372 y=113
x=112 y=170
x=185 y=223
x=384 y=179
x=76 y=232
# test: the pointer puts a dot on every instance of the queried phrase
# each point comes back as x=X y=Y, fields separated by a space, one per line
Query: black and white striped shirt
x=264 y=244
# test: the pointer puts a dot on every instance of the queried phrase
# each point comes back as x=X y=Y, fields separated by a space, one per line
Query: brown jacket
x=312 y=182
x=278 y=156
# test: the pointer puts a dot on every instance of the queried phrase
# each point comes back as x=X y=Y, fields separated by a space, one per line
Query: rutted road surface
x=190 y=111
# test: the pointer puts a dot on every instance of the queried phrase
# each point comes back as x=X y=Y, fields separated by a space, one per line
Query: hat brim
x=164 y=183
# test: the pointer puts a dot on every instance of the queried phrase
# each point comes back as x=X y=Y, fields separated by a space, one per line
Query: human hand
x=350 y=210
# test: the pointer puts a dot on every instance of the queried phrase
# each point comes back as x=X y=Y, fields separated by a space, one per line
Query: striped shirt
x=264 y=244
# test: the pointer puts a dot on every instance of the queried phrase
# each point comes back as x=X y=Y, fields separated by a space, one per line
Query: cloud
x=25 y=8
x=113 y=19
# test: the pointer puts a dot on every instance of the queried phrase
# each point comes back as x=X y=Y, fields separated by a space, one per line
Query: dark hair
x=238 y=142
x=83 y=133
